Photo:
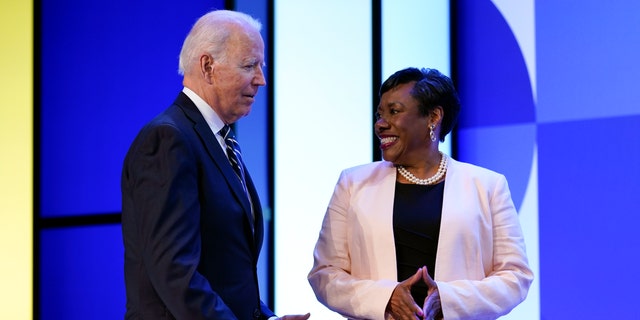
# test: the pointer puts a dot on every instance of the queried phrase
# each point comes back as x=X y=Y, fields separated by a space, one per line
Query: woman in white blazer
x=393 y=227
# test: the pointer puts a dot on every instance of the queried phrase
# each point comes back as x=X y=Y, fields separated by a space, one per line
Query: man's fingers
x=296 y=317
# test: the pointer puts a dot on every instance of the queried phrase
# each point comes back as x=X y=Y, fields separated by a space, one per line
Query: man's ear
x=206 y=67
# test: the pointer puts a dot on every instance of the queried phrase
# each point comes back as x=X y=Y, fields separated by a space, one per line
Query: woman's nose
x=380 y=123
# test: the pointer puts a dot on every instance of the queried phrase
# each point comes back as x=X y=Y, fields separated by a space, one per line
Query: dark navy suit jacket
x=190 y=252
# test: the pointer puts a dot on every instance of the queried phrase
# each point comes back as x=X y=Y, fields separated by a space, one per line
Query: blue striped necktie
x=235 y=158
x=234 y=154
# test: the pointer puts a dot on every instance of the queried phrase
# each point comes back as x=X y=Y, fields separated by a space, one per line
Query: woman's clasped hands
x=401 y=306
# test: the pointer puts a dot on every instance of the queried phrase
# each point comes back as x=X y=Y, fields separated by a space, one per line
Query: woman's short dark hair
x=431 y=89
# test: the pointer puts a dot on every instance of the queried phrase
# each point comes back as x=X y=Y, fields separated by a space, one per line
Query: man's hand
x=401 y=305
x=296 y=317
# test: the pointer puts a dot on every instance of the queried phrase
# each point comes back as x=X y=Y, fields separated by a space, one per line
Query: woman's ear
x=436 y=116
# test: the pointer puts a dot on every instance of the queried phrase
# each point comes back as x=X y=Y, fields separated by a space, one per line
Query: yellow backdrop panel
x=16 y=159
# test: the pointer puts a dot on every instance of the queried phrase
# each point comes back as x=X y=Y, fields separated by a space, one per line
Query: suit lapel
x=257 y=208
x=215 y=151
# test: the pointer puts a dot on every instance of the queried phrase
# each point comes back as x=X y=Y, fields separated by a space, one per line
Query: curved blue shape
x=493 y=80
x=495 y=92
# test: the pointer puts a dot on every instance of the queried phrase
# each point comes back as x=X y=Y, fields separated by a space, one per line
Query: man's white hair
x=209 y=35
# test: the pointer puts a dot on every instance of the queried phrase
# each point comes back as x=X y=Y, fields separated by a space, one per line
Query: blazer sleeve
x=162 y=178
x=331 y=276
x=507 y=276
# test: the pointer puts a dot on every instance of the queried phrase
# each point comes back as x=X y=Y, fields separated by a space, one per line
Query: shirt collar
x=210 y=116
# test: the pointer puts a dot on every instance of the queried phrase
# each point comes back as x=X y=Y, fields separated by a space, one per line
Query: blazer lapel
x=376 y=206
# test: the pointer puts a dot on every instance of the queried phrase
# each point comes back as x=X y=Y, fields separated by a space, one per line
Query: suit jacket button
x=256 y=313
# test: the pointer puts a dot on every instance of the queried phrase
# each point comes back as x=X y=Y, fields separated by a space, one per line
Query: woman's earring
x=431 y=134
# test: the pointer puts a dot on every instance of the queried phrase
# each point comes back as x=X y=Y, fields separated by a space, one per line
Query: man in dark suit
x=192 y=225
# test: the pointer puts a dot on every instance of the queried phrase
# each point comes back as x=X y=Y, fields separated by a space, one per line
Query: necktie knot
x=230 y=138
x=225 y=131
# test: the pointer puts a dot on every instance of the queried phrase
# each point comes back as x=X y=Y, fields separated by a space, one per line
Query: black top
x=417 y=210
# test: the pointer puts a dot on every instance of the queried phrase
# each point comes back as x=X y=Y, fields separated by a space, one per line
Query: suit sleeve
x=507 y=283
x=331 y=278
x=163 y=184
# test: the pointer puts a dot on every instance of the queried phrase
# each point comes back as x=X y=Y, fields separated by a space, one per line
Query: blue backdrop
x=575 y=117
x=107 y=68
x=589 y=148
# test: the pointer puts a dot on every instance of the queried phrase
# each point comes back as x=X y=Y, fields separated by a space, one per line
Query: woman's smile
x=387 y=141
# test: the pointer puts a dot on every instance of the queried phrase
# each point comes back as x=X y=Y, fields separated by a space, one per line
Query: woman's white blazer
x=481 y=264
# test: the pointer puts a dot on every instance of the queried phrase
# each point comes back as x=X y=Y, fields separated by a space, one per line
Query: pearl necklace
x=442 y=169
